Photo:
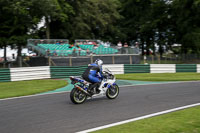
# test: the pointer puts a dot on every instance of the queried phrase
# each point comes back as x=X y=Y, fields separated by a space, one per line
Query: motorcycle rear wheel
x=112 y=92
x=77 y=96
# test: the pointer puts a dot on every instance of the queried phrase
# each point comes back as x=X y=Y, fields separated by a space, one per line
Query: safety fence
x=198 y=68
x=29 y=73
x=163 y=68
x=65 y=72
x=186 y=68
x=56 y=72
x=4 y=75
x=136 y=68
x=115 y=68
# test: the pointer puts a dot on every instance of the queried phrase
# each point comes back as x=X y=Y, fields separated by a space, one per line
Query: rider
x=94 y=74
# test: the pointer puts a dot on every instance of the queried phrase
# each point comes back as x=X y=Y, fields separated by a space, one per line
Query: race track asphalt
x=55 y=113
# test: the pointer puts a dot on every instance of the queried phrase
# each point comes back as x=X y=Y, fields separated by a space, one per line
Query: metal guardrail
x=107 y=59
x=47 y=41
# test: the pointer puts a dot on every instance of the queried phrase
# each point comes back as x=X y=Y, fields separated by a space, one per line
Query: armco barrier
x=198 y=68
x=4 y=75
x=66 y=71
x=29 y=73
x=136 y=68
x=115 y=68
x=186 y=68
x=162 y=68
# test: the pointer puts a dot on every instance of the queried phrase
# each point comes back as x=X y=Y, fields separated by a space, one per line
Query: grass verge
x=184 y=121
x=23 y=88
x=160 y=76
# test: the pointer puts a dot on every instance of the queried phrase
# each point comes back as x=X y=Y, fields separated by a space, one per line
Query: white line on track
x=119 y=86
x=138 y=118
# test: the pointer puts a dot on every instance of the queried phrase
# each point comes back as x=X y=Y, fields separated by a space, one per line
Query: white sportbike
x=80 y=92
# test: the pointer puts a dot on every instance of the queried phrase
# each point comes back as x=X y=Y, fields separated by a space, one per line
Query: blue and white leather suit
x=93 y=73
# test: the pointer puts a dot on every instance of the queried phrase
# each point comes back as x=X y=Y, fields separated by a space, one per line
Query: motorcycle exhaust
x=81 y=89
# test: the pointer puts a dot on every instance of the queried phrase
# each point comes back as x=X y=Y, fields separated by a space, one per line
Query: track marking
x=139 y=118
x=119 y=86
x=174 y=82
x=32 y=95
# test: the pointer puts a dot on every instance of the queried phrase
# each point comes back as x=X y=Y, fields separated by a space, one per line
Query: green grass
x=185 y=121
x=23 y=88
x=160 y=76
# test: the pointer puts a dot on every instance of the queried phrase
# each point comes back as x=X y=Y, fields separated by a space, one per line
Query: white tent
x=9 y=53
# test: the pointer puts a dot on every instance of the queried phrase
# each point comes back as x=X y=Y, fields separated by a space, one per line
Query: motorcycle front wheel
x=112 y=92
x=77 y=96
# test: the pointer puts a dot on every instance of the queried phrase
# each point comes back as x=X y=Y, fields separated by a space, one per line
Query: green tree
x=148 y=22
x=186 y=24
x=14 y=23
x=90 y=19
x=19 y=19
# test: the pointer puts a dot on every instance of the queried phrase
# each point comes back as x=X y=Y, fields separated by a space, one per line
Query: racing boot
x=94 y=88
x=97 y=87
x=90 y=90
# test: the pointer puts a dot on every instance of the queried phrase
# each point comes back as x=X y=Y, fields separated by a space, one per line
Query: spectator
x=90 y=43
x=119 y=44
x=94 y=43
x=1 y=59
x=61 y=42
x=88 y=51
x=74 y=52
x=48 y=52
x=125 y=44
x=137 y=50
x=136 y=44
x=108 y=44
x=79 y=51
x=71 y=46
x=54 y=52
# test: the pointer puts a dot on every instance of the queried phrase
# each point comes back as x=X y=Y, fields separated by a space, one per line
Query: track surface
x=56 y=114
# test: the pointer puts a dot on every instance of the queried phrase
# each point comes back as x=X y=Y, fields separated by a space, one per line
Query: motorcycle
x=81 y=90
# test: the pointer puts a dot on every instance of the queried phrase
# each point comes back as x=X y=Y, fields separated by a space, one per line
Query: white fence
x=115 y=68
x=30 y=73
x=198 y=68
x=162 y=68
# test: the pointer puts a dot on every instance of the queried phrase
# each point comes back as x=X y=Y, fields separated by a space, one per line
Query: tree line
x=149 y=22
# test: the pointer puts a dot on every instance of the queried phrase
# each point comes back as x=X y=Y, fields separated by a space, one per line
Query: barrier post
x=70 y=61
x=113 y=59
x=130 y=57
x=91 y=59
